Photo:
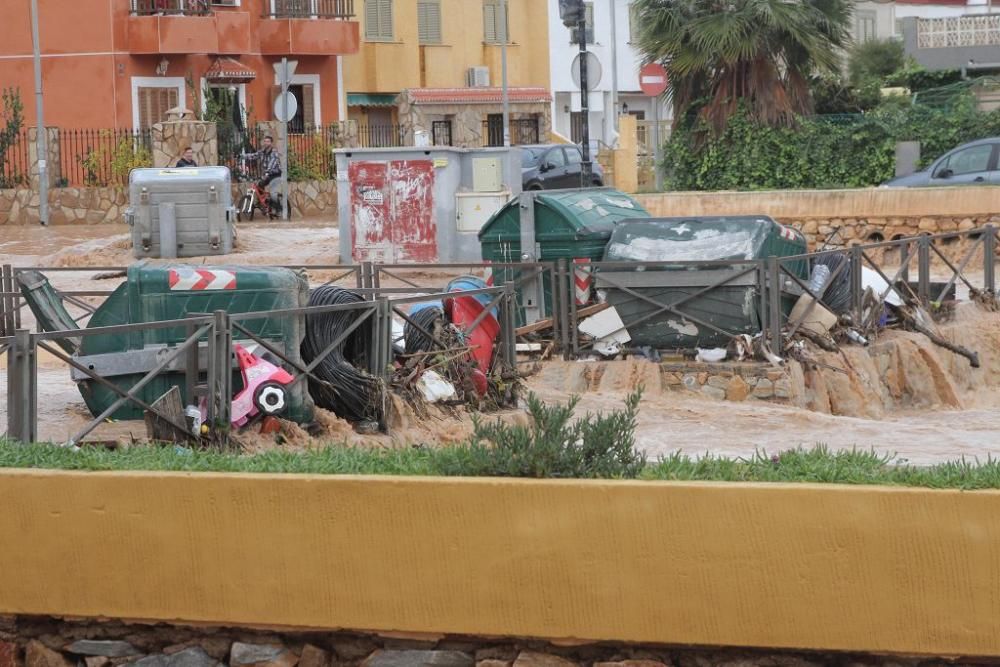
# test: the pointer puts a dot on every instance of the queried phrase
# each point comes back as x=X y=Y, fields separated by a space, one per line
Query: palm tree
x=719 y=53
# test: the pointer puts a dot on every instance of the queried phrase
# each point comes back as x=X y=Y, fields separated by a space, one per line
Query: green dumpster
x=168 y=292
x=722 y=301
x=569 y=224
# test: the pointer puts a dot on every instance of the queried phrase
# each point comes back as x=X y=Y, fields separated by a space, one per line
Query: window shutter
x=490 y=22
x=429 y=21
x=371 y=19
x=308 y=105
x=385 y=19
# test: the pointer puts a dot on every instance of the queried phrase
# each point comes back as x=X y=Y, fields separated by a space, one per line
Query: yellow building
x=435 y=66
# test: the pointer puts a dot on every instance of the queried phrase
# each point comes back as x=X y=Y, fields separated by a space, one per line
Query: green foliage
x=875 y=60
x=815 y=465
x=761 y=53
x=857 y=151
x=13 y=118
x=554 y=445
x=103 y=165
x=914 y=76
x=314 y=164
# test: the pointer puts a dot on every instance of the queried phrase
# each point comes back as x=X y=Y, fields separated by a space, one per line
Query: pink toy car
x=263 y=388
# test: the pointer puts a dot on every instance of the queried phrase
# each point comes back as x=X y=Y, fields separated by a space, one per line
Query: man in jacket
x=270 y=164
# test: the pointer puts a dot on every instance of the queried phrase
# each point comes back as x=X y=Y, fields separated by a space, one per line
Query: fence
x=383 y=136
x=15 y=164
x=98 y=158
x=310 y=152
x=523 y=131
x=323 y=9
x=168 y=7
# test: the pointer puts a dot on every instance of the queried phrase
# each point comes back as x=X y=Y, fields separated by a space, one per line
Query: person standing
x=187 y=159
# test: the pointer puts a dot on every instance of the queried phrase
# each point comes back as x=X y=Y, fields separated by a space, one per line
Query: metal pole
x=774 y=298
x=43 y=137
x=503 y=75
x=284 y=142
x=658 y=175
x=924 y=270
x=614 y=65
x=22 y=390
x=857 y=286
x=587 y=167
x=989 y=259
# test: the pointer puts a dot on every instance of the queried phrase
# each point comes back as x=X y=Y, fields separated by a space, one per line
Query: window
x=441 y=132
x=633 y=23
x=588 y=10
x=573 y=156
x=305 y=113
x=968 y=161
x=494 y=129
x=865 y=26
x=495 y=25
x=153 y=96
x=378 y=20
x=555 y=158
x=429 y=21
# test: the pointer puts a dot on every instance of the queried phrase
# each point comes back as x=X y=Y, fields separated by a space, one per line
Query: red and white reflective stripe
x=488 y=273
x=582 y=280
x=787 y=233
x=188 y=280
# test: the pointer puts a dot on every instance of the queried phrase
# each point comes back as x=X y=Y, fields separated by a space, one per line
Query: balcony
x=309 y=28
x=186 y=26
x=311 y=9
x=958 y=32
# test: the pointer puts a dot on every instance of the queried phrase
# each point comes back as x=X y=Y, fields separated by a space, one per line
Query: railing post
x=762 y=294
x=220 y=374
x=989 y=259
x=8 y=304
x=857 y=289
x=924 y=270
x=561 y=292
x=22 y=389
x=507 y=331
x=774 y=300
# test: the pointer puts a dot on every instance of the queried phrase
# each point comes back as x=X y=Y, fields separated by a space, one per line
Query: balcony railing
x=958 y=31
x=171 y=7
x=308 y=9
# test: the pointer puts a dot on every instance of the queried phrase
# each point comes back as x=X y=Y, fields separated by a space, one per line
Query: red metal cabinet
x=392 y=212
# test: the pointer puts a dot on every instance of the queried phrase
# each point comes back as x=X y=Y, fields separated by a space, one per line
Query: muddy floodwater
x=669 y=421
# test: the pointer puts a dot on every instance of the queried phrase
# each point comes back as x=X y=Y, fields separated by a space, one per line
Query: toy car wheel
x=270 y=398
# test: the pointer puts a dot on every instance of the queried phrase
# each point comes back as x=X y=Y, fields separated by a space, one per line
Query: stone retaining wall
x=43 y=642
x=106 y=205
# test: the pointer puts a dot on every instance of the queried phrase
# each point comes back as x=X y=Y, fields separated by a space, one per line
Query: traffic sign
x=594 y=71
x=278 y=70
x=653 y=79
x=279 y=107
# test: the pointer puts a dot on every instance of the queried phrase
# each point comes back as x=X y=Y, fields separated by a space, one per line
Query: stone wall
x=93 y=206
x=44 y=642
x=171 y=138
x=66 y=206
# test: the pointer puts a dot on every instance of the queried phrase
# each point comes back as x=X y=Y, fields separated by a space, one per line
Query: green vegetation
x=12 y=115
x=758 y=53
x=552 y=446
x=820 y=152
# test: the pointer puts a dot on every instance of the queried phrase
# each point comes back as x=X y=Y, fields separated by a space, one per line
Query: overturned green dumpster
x=169 y=292
x=683 y=305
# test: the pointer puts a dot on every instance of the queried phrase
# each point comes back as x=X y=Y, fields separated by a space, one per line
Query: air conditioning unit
x=478 y=77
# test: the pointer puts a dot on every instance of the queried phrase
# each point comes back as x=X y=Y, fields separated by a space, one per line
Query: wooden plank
x=542 y=325
x=161 y=430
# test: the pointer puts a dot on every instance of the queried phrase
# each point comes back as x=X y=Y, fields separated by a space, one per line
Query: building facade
x=125 y=63
x=422 y=63
x=962 y=35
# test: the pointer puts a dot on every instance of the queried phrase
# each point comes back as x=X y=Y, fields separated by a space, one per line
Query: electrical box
x=474 y=209
x=486 y=174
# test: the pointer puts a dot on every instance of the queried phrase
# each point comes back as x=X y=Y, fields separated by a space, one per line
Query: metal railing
x=310 y=9
x=98 y=158
x=958 y=31
x=171 y=7
x=523 y=132
x=14 y=162
x=387 y=135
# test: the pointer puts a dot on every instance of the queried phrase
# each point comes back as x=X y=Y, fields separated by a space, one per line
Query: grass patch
x=554 y=445
x=815 y=465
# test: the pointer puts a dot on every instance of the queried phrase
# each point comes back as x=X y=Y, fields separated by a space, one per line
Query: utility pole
x=285 y=76
x=574 y=16
x=614 y=65
x=503 y=75
x=43 y=136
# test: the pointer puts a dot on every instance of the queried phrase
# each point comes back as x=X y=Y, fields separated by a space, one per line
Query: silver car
x=974 y=163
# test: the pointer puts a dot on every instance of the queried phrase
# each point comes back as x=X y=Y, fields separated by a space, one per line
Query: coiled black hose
x=345 y=387
x=431 y=320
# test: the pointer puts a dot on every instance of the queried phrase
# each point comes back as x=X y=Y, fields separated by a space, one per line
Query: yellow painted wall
x=860 y=203
x=392 y=67
x=784 y=566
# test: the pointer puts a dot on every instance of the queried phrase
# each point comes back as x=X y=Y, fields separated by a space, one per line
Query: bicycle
x=254 y=198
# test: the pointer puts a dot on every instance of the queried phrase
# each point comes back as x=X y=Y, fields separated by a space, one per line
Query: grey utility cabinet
x=181 y=212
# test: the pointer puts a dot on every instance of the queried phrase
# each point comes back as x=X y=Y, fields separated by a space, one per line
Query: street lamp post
x=503 y=75
x=43 y=139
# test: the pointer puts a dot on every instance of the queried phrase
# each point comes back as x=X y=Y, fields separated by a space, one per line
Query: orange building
x=124 y=63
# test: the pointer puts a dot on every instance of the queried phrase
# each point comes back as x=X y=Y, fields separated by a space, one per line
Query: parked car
x=974 y=163
x=555 y=167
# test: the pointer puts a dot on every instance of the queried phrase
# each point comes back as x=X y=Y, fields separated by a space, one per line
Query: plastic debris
x=712 y=355
x=435 y=388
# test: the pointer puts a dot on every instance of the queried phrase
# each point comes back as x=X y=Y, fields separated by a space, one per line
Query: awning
x=516 y=95
x=371 y=99
x=227 y=70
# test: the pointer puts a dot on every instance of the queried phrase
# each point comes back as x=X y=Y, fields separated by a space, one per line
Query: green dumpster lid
x=692 y=239
x=590 y=211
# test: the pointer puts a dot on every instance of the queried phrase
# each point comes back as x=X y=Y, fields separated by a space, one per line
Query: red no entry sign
x=653 y=79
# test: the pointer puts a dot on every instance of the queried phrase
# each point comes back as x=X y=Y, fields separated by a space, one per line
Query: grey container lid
x=186 y=175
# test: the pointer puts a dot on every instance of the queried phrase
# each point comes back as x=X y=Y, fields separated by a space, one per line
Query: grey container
x=181 y=212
